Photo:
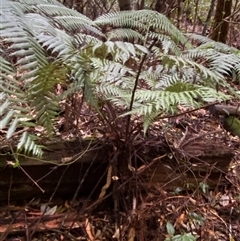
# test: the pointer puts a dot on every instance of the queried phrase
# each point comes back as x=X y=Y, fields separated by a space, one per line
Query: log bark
x=225 y=110
x=84 y=164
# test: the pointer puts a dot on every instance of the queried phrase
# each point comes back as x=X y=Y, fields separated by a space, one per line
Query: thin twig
x=49 y=201
x=123 y=184
x=35 y=183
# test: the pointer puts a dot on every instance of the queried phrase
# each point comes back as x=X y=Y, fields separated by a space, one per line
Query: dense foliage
x=136 y=64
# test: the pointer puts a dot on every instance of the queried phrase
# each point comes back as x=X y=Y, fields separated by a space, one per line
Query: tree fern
x=105 y=60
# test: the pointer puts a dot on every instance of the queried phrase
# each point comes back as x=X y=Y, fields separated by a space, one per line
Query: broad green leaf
x=170 y=228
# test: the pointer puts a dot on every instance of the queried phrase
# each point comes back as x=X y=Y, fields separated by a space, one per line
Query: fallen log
x=225 y=110
x=38 y=177
x=68 y=165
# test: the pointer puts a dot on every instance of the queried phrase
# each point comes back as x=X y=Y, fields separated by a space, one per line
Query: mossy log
x=225 y=110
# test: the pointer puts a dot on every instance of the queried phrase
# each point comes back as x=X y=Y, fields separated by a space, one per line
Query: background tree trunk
x=124 y=5
x=179 y=13
x=138 y=5
x=210 y=12
x=141 y=4
x=221 y=26
x=160 y=6
x=166 y=7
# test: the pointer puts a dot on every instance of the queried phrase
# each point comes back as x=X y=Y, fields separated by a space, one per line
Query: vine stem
x=127 y=133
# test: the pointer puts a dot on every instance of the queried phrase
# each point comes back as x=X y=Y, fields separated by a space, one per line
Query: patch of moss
x=232 y=124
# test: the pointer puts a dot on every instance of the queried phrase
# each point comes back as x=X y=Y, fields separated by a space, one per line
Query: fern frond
x=124 y=33
x=5 y=67
x=206 y=73
x=168 y=45
x=237 y=68
x=209 y=43
x=57 y=41
x=159 y=81
x=86 y=39
x=16 y=30
x=27 y=142
x=14 y=110
x=220 y=57
x=90 y=90
x=149 y=102
x=142 y=20
x=223 y=63
x=41 y=93
x=119 y=51
x=109 y=91
x=69 y=19
x=12 y=127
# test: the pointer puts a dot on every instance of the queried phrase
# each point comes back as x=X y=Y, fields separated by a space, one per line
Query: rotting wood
x=57 y=152
x=193 y=162
x=48 y=222
x=225 y=110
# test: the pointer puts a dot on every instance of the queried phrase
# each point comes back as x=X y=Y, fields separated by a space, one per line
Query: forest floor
x=149 y=211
